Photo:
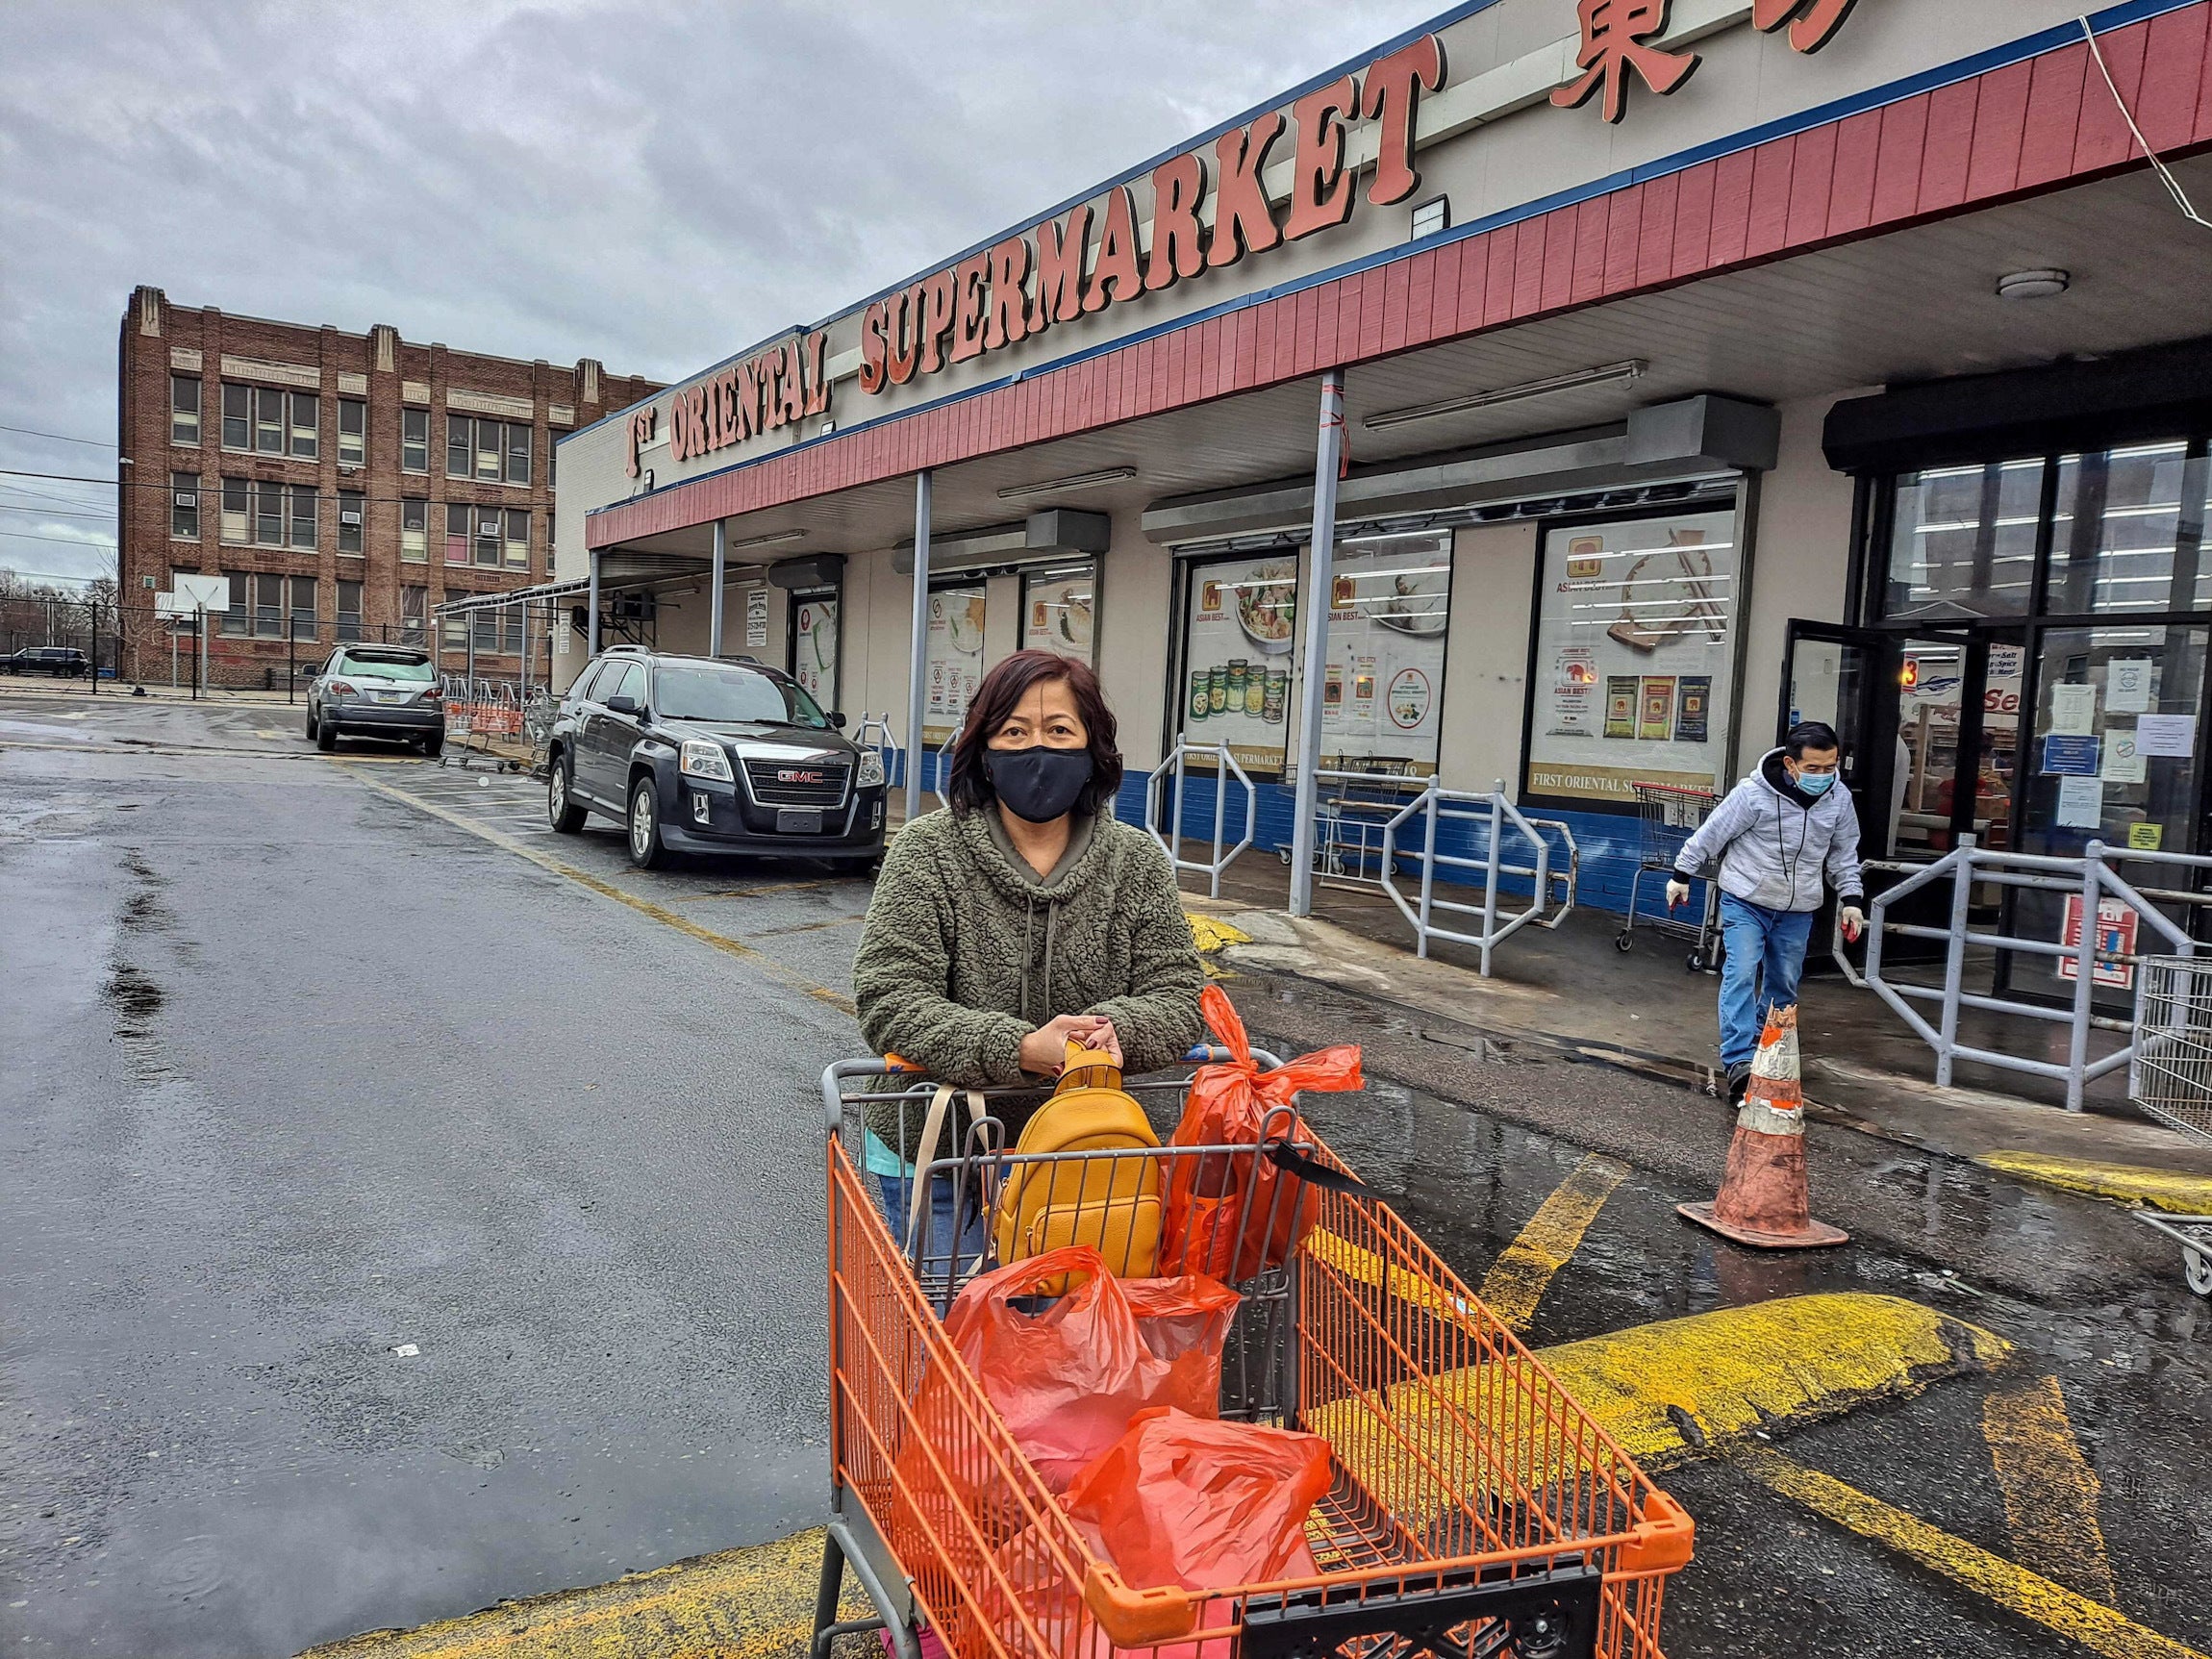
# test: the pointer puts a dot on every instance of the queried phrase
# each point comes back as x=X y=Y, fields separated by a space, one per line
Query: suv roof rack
x=634 y=650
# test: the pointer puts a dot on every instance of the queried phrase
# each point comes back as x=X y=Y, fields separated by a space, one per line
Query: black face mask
x=1037 y=784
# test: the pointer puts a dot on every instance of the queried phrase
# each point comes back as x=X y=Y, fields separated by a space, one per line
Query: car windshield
x=407 y=668
x=700 y=691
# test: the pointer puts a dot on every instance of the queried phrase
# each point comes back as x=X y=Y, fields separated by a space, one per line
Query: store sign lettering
x=1618 y=39
x=1029 y=282
x=784 y=384
x=641 y=424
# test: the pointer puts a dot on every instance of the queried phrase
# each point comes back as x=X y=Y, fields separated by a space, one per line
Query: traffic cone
x=1764 y=1201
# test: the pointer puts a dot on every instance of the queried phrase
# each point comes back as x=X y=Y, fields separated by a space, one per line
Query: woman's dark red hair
x=968 y=787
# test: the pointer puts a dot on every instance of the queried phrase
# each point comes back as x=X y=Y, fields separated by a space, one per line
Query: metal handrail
x=875 y=733
x=1171 y=844
x=945 y=763
x=1501 y=813
x=2092 y=877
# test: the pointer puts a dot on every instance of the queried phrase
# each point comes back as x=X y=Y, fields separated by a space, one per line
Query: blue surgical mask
x=1815 y=783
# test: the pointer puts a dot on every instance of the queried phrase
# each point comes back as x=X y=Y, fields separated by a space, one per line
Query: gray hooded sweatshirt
x=1771 y=841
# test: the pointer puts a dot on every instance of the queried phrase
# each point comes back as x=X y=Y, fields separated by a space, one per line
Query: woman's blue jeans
x=1765 y=954
x=940 y=1255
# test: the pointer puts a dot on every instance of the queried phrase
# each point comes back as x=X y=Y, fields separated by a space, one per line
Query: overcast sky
x=651 y=184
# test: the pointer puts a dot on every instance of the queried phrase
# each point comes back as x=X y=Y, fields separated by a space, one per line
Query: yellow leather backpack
x=1112 y=1204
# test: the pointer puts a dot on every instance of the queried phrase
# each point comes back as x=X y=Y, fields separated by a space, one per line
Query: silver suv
x=377 y=691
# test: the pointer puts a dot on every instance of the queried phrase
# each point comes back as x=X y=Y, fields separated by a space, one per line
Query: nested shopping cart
x=1477 y=1511
x=2171 y=1079
x=1668 y=817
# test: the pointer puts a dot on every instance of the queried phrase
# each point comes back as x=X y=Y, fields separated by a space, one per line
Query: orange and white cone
x=1764 y=1201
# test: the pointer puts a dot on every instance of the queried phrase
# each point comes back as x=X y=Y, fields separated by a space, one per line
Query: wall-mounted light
x=1074 y=480
x=772 y=535
x=1604 y=375
x=1431 y=216
x=2034 y=285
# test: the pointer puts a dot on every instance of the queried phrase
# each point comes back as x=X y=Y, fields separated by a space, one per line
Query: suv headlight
x=705 y=760
x=870 y=769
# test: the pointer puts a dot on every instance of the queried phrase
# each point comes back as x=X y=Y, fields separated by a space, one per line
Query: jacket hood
x=1770 y=772
x=1013 y=878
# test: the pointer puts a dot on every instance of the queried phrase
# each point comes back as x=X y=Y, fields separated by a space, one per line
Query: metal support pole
x=525 y=609
x=468 y=633
x=1489 y=880
x=2084 y=974
x=199 y=650
x=715 y=603
x=1175 y=810
x=917 y=674
x=1320 y=583
x=1220 y=807
x=1427 y=861
x=592 y=615
x=1954 y=957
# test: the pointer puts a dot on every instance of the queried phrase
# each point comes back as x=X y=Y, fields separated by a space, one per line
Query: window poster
x=1240 y=624
x=814 y=647
x=1382 y=704
x=1644 y=608
x=953 y=662
x=1060 y=610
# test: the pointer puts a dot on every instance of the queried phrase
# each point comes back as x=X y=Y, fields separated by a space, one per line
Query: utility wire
x=62 y=540
x=2165 y=173
x=50 y=513
x=49 y=496
x=278 y=483
x=59 y=437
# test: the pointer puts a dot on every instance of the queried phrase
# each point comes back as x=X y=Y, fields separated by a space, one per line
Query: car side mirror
x=837 y=719
x=622 y=704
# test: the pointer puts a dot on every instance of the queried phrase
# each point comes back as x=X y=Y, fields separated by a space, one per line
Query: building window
x=185 y=409
x=268 y=606
x=352 y=512
x=234 y=526
x=459 y=441
x=238 y=417
x=306 y=425
x=487 y=523
x=184 y=505
x=1962 y=541
x=303 y=623
x=489 y=451
x=2126 y=531
x=517 y=538
x=511 y=629
x=483 y=626
x=352 y=432
x=415 y=531
x=302 y=515
x=269 y=513
x=517 y=453
x=413 y=607
x=348 y=609
x=457 y=532
x=269 y=420
x=241 y=588
x=454 y=632
x=414 y=440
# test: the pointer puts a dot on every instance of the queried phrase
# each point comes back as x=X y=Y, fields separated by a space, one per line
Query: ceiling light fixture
x=772 y=535
x=1527 y=389
x=1074 y=480
x=2034 y=285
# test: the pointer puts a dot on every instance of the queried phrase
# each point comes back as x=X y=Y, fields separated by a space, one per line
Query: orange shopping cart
x=1475 y=1512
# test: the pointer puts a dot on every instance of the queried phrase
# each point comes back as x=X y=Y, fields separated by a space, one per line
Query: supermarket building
x=1703 y=365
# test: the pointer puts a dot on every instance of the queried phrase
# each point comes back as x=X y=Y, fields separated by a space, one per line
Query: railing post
x=1220 y=806
x=1428 y=860
x=1490 y=885
x=2084 y=976
x=1174 y=805
x=1954 y=956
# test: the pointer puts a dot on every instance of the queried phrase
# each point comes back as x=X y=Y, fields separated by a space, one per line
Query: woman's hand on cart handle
x=1678 y=893
x=1044 y=1050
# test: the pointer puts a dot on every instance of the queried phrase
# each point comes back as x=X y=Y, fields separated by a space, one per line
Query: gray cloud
x=655 y=185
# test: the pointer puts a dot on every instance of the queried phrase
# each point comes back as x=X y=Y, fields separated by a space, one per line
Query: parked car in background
x=66 y=661
x=377 y=691
x=690 y=754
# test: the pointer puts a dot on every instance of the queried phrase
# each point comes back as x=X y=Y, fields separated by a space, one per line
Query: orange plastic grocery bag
x=1231 y=1217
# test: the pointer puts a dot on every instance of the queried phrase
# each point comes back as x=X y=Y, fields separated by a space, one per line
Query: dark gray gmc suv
x=696 y=755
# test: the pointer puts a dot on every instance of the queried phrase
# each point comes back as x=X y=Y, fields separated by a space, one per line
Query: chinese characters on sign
x=1618 y=40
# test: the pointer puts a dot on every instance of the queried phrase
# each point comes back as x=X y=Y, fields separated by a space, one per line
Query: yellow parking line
x=2013 y=1587
x=722 y=943
x=1515 y=1281
x=2049 y=1490
x=2167 y=1190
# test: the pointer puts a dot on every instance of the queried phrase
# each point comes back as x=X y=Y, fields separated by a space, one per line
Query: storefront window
x=954 y=659
x=815 y=646
x=1239 y=625
x=1635 y=658
x=2125 y=532
x=1382 y=702
x=1060 y=610
x=1962 y=543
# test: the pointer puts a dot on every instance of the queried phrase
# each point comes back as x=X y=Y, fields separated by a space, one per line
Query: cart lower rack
x=1667 y=818
x=1477 y=1511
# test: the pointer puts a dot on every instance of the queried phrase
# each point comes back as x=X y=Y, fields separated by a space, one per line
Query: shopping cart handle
x=1137 y=1618
x=1662 y=1542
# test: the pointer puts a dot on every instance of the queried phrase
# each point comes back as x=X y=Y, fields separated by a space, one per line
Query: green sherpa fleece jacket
x=968 y=949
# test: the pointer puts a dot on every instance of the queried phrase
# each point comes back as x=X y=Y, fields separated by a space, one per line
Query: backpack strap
x=925 y=1150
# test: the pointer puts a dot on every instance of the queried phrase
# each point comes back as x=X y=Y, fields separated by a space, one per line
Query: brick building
x=347 y=484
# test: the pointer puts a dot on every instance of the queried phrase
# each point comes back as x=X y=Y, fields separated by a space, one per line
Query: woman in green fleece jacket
x=1026 y=915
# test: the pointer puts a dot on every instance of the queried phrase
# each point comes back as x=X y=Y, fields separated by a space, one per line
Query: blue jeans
x=1765 y=954
x=941 y=1254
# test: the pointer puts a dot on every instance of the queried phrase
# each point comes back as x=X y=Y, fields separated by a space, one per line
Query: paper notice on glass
x=2073 y=709
x=2128 y=685
x=2123 y=762
x=2170 y=735
x=2080 y=803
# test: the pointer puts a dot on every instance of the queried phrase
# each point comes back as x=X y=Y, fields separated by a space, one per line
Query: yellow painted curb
x=1211 y=934
x=739 y=1604
x=2128 y=1183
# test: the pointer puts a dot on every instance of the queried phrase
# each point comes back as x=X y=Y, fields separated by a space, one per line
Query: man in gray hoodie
x=1771 y=841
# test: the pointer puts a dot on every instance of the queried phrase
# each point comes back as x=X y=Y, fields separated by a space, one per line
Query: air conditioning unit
x=353 y=517
x=187 y=497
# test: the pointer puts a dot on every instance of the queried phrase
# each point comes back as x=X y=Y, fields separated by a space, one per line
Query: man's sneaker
x=1739 y=1081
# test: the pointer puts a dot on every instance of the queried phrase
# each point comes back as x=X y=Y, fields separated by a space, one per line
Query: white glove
x=1854 y=921
x=1677 y=894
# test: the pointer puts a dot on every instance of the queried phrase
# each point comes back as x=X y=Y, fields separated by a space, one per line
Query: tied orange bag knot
x=1233 y=1217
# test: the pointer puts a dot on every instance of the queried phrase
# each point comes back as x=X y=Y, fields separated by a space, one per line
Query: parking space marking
x=722 y=943
x=1515 y=1281
x=2050 y=1492
x=2167 y=1190
x=2013 y=1587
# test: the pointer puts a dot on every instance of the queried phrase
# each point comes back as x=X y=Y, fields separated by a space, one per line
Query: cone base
x=1817 y=1235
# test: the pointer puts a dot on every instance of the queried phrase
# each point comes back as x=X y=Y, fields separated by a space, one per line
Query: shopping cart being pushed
x=1667 y=818
x=2171 y=1079
x=1475 y=1510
